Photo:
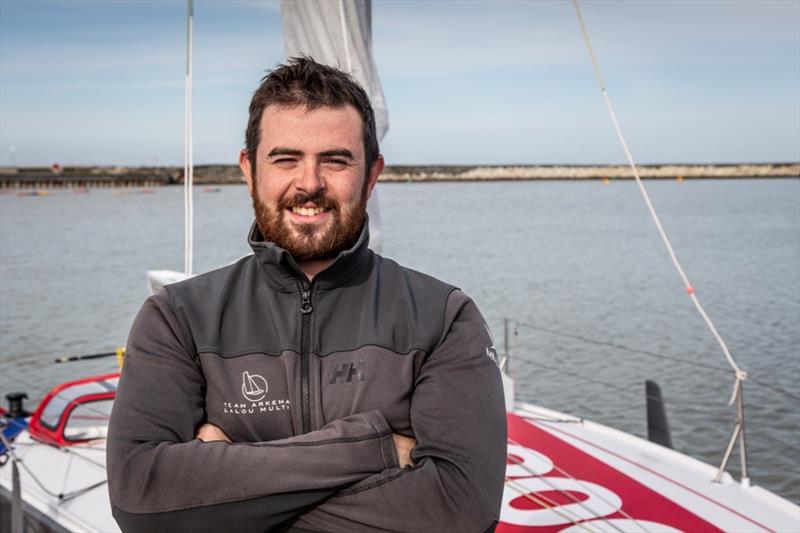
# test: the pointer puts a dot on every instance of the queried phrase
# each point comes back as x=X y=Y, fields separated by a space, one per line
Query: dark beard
x=311 y=245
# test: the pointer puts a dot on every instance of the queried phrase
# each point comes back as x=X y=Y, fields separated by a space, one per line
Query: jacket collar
x=282 y=271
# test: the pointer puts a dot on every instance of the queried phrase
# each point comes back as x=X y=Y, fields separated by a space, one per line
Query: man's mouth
x=307 y=211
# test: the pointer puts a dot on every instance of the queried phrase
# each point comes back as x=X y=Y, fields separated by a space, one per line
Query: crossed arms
x=345 y=476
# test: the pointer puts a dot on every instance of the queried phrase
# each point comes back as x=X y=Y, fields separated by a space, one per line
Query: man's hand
x=210 y=433
x=403 y=446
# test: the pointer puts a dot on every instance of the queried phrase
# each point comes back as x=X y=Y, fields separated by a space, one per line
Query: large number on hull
x=580 y=504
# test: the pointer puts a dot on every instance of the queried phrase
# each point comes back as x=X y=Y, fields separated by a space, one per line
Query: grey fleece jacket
x=309 y=381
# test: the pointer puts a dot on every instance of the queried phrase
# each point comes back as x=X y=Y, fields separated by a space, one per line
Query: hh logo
x=347 y=372
x=254 y=387
x=491 y=352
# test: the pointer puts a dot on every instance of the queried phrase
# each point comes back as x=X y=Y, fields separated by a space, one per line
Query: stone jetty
x=120 y=176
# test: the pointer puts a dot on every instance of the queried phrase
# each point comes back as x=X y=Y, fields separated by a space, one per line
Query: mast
x=188 y=167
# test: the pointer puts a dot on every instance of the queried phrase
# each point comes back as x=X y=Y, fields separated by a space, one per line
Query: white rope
x=345 y=37
x=569 y=495
x=188 y=167
x=541 y=502
x=739 y=374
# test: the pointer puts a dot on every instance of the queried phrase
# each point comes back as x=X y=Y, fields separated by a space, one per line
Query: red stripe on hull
x=608 y=494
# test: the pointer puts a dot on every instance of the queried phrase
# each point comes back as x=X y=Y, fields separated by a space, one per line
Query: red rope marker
x=689 y=290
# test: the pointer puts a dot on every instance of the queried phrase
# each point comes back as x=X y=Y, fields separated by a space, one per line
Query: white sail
x=339 y=33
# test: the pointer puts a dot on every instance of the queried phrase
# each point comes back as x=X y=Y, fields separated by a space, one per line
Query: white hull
x=618 y=482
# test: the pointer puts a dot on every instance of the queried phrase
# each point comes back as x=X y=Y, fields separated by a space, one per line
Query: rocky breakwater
x=121 y=176
x=57 y=176
x=582 y=172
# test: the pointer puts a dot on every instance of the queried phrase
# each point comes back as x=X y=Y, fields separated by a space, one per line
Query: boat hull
x=563 y=474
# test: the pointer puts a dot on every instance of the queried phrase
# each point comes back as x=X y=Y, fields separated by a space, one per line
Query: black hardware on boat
x=657 y=426
x=15 y=405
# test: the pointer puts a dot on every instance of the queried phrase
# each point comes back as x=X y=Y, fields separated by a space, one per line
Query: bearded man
x=312 y=386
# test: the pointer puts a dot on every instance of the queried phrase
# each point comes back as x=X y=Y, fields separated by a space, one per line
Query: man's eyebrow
x=280 y=150
x=337 y=152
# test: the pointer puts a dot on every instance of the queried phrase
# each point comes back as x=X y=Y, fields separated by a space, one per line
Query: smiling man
x=312 y=386
x=310 y=179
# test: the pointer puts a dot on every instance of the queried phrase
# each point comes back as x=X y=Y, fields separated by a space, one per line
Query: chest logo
x=348 y=372
x=254 y=387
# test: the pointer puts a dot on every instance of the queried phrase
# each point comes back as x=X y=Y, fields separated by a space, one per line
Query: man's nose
x=310 y=180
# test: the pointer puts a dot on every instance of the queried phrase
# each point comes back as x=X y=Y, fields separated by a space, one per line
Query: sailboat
x=564 y=473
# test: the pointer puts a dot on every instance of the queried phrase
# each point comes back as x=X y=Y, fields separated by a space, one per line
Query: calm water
x=578 y=265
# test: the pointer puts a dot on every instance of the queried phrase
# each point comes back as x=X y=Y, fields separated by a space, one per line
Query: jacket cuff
x=386 y=441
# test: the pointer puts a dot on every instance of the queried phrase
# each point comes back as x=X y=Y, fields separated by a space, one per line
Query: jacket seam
x=341 y=440
x=443 y=329
x=186 y=336
x=377 y=345
x=271 y=354
x=242 y=354
x=375 y=484
x=325 y=442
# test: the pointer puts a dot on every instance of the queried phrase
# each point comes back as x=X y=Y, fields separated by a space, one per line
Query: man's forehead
x=301 y=124
x=303 y=111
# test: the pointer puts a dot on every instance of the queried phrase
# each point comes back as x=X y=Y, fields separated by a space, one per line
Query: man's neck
x=312 y=268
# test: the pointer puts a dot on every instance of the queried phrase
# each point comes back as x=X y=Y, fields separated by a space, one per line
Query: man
x=313 y=386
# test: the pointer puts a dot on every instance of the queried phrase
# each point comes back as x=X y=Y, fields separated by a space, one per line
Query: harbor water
x=594 y=306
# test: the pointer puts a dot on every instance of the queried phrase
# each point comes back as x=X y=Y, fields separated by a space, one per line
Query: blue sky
x=466 y=82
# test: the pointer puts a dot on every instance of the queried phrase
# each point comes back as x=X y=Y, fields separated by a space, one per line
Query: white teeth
x=307 y=211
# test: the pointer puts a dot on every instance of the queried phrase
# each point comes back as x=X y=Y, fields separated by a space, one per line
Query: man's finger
x=210 y=433
x=403 y=446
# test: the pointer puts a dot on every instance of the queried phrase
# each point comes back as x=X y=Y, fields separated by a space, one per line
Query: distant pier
x=587 y=172
x=38 y=178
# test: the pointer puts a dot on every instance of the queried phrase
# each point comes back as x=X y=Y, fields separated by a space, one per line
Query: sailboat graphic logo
x=254 y=387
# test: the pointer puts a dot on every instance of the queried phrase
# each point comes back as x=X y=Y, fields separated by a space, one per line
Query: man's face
x=311 y=183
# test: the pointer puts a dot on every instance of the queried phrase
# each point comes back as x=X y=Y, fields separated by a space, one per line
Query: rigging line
x=657 y=355
x=739 y=374
x=612 y=386
x=80 y=455
x=592 y=514
x=573 y=498
x=79 y=492
x=69 y=449
x=66 y=474
x=621 y=347
x=525 y=493
x=63 y=497
x=551 y=504
x=648 y=353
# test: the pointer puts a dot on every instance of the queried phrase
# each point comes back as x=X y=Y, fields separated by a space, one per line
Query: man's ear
x=244 y=164
x=374 y=172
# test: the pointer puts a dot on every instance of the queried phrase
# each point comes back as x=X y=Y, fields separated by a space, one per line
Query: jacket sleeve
x=458 y=419
x=162 y=479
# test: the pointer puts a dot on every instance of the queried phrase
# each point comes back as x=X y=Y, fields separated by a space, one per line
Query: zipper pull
x=305 y=297
x=305 y=302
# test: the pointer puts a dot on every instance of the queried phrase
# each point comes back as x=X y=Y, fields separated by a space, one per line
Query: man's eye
x=284 y=162
x=338 y=164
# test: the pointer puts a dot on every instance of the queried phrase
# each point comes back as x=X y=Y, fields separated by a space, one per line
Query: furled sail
x=339 y=33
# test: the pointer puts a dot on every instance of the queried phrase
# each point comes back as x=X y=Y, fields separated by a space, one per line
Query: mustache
x=318 y=198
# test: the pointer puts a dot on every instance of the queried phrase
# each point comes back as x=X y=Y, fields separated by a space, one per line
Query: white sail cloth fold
x=338 y=33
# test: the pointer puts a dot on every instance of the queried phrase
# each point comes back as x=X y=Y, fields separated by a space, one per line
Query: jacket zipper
x=305 y=335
